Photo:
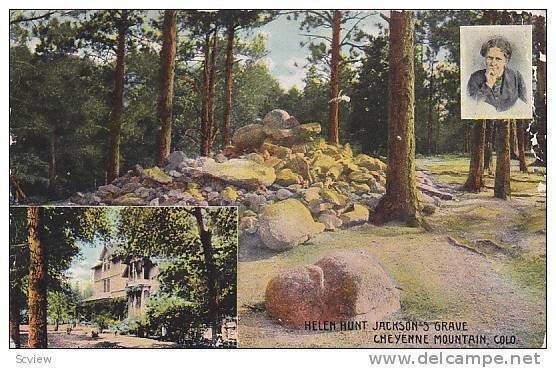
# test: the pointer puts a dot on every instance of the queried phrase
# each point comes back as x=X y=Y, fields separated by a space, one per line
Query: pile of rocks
x=288 y=182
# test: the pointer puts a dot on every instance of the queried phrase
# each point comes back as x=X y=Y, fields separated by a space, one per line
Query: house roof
x=107 y=251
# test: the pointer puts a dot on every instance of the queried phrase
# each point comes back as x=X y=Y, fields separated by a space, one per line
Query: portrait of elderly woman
x=496 y=72
x=497 y=84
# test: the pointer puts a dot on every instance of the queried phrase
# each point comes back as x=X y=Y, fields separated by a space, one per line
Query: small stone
x=155 y=202
x=213 y=198
x=254 y=201
x=360 y=188
x=359 y=215
x=110 y=188
x=248 y=224
x=333 y=197
x=316 y=206
x=175 y=174
x=287 y=177
x=282 y=194
x=331 y=221
x=157 y=175
x=311 y=194
x=128 y=199
x=255 y=157
x=360 y=177
x=220 y=158
x=130 y=187
x=229 y=194
x=369 y=162
x=174 y=160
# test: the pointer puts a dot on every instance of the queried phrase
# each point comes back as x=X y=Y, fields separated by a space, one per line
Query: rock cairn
x=287 y=181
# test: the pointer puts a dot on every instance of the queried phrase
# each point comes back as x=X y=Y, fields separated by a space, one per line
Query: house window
x=138 y=299
x=106 y=285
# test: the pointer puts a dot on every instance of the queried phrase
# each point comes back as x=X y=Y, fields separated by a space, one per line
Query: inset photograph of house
x=123 y=277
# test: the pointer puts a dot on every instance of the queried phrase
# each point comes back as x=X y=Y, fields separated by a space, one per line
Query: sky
x=80 y=268
x=283 y=39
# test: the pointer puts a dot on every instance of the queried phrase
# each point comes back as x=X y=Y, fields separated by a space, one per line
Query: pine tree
x=400 y=201
x=167 y=61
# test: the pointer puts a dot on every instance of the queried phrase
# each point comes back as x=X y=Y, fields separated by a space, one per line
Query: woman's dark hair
x=498 y=42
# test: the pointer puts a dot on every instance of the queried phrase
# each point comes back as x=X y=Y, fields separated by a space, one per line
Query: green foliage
x=179 y=318
x=368 y=126
x=103 y=311
x=61 y=228
x=63 y=306
x=182 y=303
x=56 y=100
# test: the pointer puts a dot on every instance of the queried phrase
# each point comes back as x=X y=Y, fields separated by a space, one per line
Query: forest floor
x=484 y=263
x=80 y=337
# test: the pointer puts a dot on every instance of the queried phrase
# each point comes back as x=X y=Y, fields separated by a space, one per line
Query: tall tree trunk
x=37 y=280
x=489 y=134
x=514 y=152
x=205 y=133
x=431 y=106
x=466 y=138
x=212 y=90
x=400 y=201
x=208 y=255
x=167 y=60
x=333 y=104
x=227 y=122
x=474 y=181
x=113 y=165
x=502 y=178
x=15 y=310
x=521 y=145
x=52 y=165
x=540 y=98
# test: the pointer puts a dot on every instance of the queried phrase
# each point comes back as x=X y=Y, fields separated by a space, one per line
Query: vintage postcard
x=387 y=168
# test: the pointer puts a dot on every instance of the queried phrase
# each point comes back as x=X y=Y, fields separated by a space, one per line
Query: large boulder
x=285 y=224
x=275 y=120
x=248 y=138
x=241 y=172
x=347 y=285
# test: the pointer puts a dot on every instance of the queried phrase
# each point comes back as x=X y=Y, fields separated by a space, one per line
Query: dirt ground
x=80 y=337
x=484 y=263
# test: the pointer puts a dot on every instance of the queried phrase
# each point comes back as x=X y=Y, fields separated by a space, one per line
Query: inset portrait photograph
x=496 y=72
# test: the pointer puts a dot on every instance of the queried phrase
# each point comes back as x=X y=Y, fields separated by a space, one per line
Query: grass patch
x=421 y=298
x=529 y=273
x=532 y=220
